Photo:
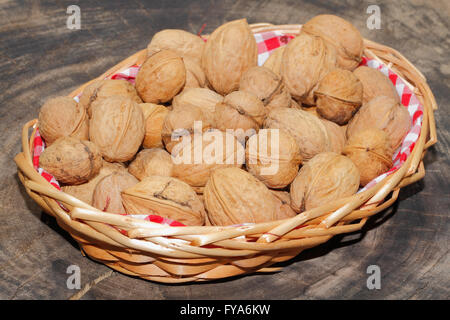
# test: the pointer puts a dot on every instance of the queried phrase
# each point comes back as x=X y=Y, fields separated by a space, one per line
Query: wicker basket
x=186 y=254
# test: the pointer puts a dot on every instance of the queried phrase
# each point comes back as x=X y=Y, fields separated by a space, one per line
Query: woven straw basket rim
x=186 y=254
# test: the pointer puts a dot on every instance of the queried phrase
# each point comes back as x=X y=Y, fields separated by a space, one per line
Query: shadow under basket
x=172 y=254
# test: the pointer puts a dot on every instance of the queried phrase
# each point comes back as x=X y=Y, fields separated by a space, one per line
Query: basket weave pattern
x=185 y=254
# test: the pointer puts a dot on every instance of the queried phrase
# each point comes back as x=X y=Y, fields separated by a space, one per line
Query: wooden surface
x=41 y=58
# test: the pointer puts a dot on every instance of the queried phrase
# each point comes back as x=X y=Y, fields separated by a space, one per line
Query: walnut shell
x=195 y=77
x=230 y=50
x=306 y=60
x=154 y=115
x=341 y=34
x=107 y=194
x=167 y=197
x=117 y=128
x=194 y=161
x=99 y=90
x=234 y=196
x=371 y=151
x=85 y=191
x=309 y=132
x=337 y=136
x=151 y=162
x=63 y=116
x=161 y=77
x=383 y=113
x=71 y=160
x=339 y=96
x=267 y=86
x=375 y=84
x=181 y=122
x=326 y=177
x=240 y=111
x=183 y=43
x=273 y=62
x=273 y=156
x=203 y=98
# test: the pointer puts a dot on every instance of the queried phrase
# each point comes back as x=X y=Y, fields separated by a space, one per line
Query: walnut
x=85 y=191
x=234 y=196
x=151 y=162
x=240 y=111
x=61 y=117
x=71 y=160
x=306 y=60
x=371 y=151
x=107 y=194
x=267 y=86
x=154 y=115
x=273 y=156
x=307 y=130
x=230 y=51
x=98 y=90
x=161 y=77
x=384 y=113
x=117 y=128
x=195 y=160
x=326 y=177
x=340 y=33
x=167 y=197
x=339 y=96
x=375 y=84
x=185 y=44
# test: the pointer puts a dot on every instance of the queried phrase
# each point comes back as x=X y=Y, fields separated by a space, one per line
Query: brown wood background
x=41 y=58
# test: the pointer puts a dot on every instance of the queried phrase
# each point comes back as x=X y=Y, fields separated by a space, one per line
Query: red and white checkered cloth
x=267 y=42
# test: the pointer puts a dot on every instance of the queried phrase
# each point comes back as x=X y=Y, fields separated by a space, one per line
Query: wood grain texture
x=40 y=58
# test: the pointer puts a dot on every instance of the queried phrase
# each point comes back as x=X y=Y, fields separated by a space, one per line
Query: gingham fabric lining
x=267 y=42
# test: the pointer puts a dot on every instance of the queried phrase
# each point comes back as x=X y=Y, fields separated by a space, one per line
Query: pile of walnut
x=338 y=126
